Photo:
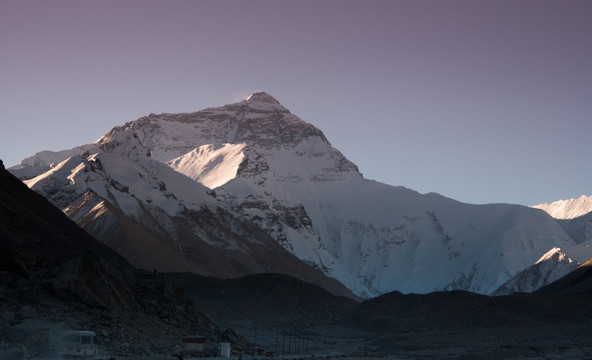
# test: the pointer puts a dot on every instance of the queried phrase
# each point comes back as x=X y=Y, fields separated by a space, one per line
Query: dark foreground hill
x=476 y=326
x=259 y=296
x=54 y=277
x=463 y=310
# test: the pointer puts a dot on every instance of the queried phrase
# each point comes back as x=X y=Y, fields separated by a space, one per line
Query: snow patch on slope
x=552 y=253
x=55 y=177
x=210 y=166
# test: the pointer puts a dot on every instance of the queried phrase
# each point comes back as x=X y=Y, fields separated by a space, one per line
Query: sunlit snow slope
x=568 y=209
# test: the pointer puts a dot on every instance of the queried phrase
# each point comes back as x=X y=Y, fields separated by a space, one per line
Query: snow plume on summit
x=262 y=97
x=250 y=187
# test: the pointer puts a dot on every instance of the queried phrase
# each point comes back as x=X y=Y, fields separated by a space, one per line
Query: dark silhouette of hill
x=271 y=308
x=55 y=276
x=460 y=324
x=34 y=234
x=259 y=295
x=460 y=309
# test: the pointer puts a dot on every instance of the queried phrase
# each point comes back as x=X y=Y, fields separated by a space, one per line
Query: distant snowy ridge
x=575 y=217
x=567 y=209
x=42 y=161
x=552 y=266
x=217 y=185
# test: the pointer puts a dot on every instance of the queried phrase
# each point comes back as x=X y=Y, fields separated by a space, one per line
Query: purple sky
x=481 y=101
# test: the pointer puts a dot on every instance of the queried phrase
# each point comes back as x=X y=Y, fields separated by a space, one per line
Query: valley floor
x=338 y=341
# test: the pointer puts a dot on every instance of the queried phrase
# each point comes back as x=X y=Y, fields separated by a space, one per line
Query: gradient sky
x=481 y=101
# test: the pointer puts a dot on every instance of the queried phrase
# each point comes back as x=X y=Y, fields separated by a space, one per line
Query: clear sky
x=482 y=101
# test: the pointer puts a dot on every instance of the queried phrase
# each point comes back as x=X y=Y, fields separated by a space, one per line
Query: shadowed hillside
x=54 y=276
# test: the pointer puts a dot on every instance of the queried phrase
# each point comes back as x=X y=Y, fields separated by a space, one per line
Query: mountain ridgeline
x=250 y=188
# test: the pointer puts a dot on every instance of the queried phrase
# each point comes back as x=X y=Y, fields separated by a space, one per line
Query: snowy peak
x=215 y=145
x=567 y=209
x=554 y=254
x=552 y=266
x=259 y=102
x=262 y=97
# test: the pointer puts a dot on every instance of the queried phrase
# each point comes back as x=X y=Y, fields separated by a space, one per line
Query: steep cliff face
x=267 y=178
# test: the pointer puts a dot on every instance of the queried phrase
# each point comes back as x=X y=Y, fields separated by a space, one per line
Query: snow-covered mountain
x=567 y=209
x=159 y=219
x=245 y=177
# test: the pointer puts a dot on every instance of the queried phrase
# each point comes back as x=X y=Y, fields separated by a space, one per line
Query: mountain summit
x=262 y=97
x=250 y=187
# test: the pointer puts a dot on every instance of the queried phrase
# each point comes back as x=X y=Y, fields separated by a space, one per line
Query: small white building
x=224 y=350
